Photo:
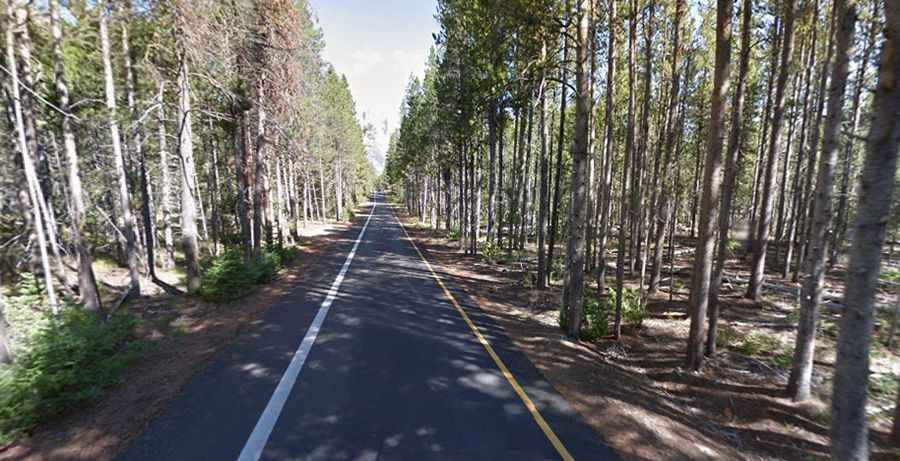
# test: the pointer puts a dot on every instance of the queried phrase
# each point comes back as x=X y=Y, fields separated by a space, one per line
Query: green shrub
x=727 y=335
x=757 y=342
x=25 y=310
x=891 y=276
x=784 y=359
x=491 y=252
x=453 y=234
x=633 y=310
x=230 y=277
x=883 y=386
x=732 y=246
x=596 y=315
x=67 y=362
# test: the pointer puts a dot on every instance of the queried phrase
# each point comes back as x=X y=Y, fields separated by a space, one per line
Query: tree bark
x=849 y=431
x=578 y=215
x=703 y=256
x=189 y=242
x=814 y=265
x=731 y=174
x=542 y=200
x=663 y=209
x=87 y=284
x=127 y=224
x=25 y=151
x=765 y=216
x=556 y=208
x=840 y=228
x=610 y=140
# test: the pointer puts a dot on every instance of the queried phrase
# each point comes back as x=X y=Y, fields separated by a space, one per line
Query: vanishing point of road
x=373 y=355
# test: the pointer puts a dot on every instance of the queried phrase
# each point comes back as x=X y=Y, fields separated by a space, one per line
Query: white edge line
x=256 y=443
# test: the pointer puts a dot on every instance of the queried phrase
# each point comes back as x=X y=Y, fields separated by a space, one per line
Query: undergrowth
x=597 y=313
x=230 y=276
x=62 y=362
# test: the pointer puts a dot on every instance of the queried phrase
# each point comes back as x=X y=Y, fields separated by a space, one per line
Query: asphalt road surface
x=370 y=357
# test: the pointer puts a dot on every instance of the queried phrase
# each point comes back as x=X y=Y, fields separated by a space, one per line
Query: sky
x=377 y=45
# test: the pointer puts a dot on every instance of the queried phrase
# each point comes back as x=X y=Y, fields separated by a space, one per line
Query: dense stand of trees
x=766 y=144
x=158 y=134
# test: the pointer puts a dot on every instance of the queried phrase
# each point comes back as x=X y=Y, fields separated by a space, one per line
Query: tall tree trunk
x=189 y=243
x=31 y=178
x=805 y=218
x=663 y=208
x=542 y=200
x=127 y=225
x=765 y=215
x=625 y=210
x=165 y=199
x=758 y=172
x=731 y=175
x=610 y=140
x=258 y=173
x=643 y=142
x=87 y=284
x=556 y=208
x=135 y=137
x=578 y=215
x=703 y=256
x=492 y=161
x=814 y=265
x=849 y=431
x=841 y=216
x=799 y=182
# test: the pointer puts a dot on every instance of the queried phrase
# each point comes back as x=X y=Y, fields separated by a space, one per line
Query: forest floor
x=183 y=335
x=634 y=391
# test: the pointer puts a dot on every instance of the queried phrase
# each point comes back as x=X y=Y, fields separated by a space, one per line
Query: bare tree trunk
x=703 y=256
x=578 y=215
x=243 y=194
x=814 y=265
x=557 y=174
x=87 y=284
x=259 y=154
x=165 y=198
x=542 y=200
x=127 y=225
x=840 y=228
x=27 y=161
x=799 y=183
x=492 y=160
x=849 y=431
x=188 y=180
x=625 y=210
x=731 y=175
x=339 y=186
x=637 y=218
x=663 y=209
x=778 y=35
x=805 y=200
x=609 y=141
x=765 y=215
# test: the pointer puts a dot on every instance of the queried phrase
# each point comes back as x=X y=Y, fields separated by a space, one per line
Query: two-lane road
x=370 y=357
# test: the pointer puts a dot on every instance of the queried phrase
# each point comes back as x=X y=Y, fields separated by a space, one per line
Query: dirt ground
x=634 y=391
x=184 y=336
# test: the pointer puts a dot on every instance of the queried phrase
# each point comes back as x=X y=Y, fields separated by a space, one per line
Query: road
x=370 y=357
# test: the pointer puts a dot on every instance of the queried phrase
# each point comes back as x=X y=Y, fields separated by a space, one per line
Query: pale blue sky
x=377 y=44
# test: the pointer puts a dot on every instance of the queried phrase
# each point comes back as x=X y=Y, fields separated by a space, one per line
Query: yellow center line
x=535 y=413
